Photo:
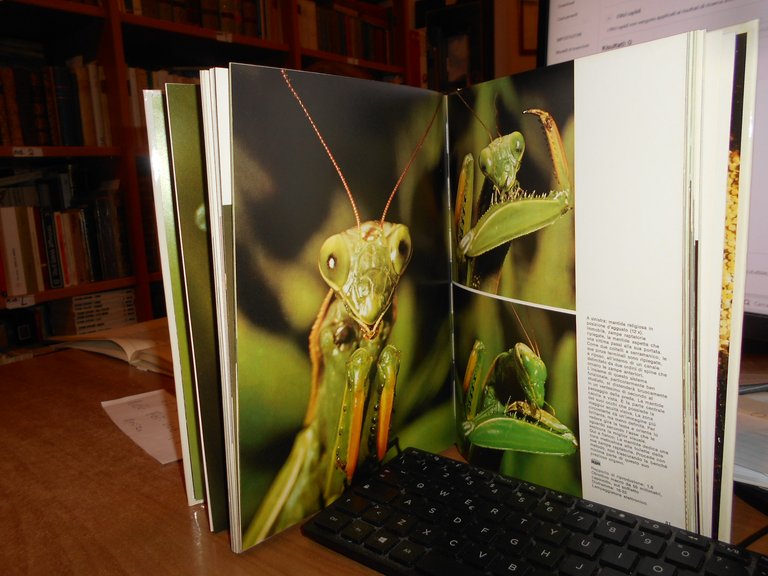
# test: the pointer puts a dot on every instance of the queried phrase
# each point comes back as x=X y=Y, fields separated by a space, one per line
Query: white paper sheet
x=150 y=420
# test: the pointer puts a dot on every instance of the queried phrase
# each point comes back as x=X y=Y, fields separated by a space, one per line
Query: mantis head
x=500 y=160
x=363 y=267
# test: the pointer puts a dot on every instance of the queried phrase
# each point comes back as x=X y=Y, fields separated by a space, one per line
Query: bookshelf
x=91 y=145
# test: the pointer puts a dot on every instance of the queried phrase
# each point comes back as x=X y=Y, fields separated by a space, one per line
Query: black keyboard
x=428 y=514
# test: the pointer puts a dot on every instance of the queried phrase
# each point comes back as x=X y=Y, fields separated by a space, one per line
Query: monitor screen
x=570 y=29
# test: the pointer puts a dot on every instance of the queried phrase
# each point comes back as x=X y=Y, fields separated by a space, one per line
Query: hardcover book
x=546 y=270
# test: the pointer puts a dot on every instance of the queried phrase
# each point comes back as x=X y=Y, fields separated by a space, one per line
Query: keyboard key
x=685 y=556
x=352 y=503
x=617 y=557
x=545 y=555
x=549 y=511
x=468 y=504
x=332 y=520
x=436 y=564
x=504 y=566
x=381 y=541
x=565 y=500
x=612 y=532
x=496 y=491
x=652 y=567
x=591 y=507
x=696 y=540
x=523 y=502
x=514 y=543
x=406 y=553
x=400 y=523
x=357 y=531
x=376 y=514
x=426 y=534
x=552 y=533
x=482 y=532
x=663 y=530
x=528 y=488
x=521 y=523
x=492 y=511
x=580 y=521
x=585 y=545
x=723 y=566
x=646 y=543
x=378 y=491
x=731 y=551
x=621 y=517
x=431 y=511
x=576 y=566
x=479 y=556
x=452 y=542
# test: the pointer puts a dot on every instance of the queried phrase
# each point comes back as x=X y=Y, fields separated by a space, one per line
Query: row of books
x=257 y=18
x=24 y=330
x=54 y=105
x=47 y=243
x=140 y=79
x=88 y=313
x=345 y=29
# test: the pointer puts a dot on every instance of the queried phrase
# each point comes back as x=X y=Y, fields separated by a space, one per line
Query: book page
x=631 y=234
x=570 y=267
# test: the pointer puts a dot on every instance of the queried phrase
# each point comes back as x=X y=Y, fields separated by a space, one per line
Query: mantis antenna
x=534 y=345
x=336 y=165
x=325 y=146
x=408 y=166
x=490 y=136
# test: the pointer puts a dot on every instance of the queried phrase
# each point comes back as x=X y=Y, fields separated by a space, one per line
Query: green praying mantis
x=353 y=367
x=511 y=211
x=528 y=425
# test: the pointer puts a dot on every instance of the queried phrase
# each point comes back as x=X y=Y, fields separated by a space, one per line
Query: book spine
x=25 y=106
x=5 y=126
x=209 y=14
x=42 y=126
x=64 y=251
x=94 y=86
x=67 y=106
x=39 y=261
x=87 y=122
x=55 y=279
x=50 y=105
x=13 y=258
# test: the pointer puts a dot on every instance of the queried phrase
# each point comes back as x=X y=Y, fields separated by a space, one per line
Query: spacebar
x=436 y=564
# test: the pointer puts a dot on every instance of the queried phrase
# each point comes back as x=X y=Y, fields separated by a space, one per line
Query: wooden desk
x=77 y=496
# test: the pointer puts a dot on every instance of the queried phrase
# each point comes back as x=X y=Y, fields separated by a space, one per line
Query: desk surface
x=78 y=496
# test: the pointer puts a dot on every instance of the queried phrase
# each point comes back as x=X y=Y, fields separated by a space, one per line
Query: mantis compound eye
x=400 y=248
x=485 y=161
x=334 y=261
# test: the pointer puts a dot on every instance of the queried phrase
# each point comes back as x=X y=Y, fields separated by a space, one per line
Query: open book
x=531 y=268
x=144 y=345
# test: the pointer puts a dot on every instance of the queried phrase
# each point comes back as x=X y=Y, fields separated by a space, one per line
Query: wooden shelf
x=64 y=6
x=61 y=293
x=124 y=44
x=58 y=151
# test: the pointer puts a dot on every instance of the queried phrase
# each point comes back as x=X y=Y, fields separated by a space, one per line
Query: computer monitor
x=570 y=29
